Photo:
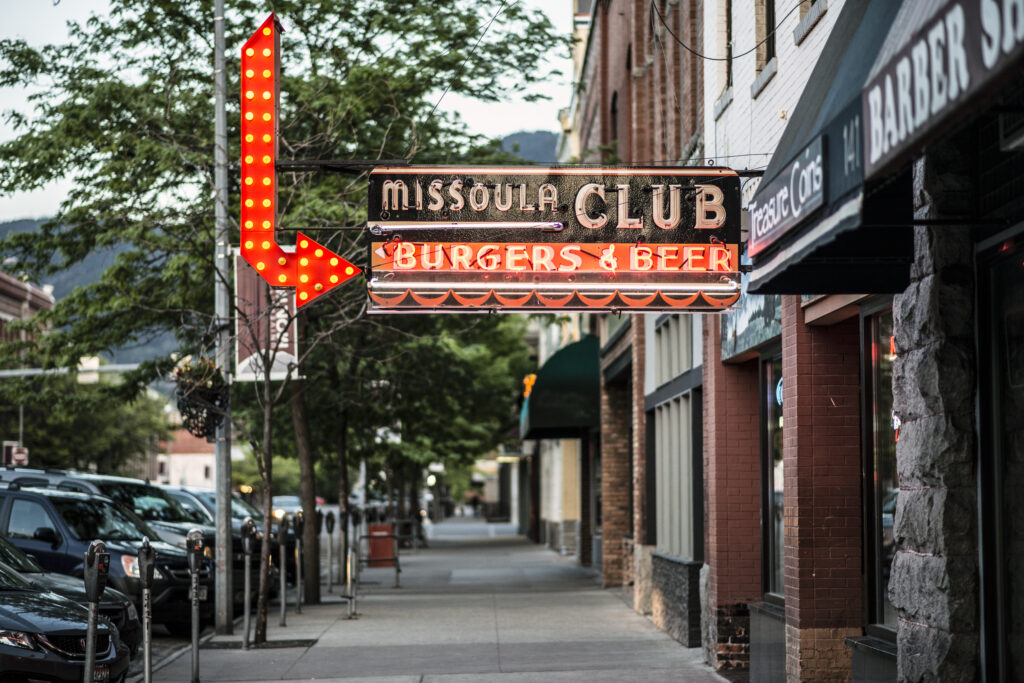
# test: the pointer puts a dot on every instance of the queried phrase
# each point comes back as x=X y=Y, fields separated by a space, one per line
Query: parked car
x=56 y=527
x=42 y=636
x=159 y=510
x=203 y=501
x=115 y=605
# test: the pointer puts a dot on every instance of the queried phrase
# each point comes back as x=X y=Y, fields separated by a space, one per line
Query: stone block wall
x=675 y=597
x=934 y=583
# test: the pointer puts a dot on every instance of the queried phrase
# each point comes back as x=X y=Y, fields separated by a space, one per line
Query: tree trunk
x=343 y=491
x=310 y=533
x=266 y=477
x=414 y=500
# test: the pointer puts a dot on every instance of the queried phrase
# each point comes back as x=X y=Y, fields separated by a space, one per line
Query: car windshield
x=10 y=581
x=17 y=560
x=191 y=505
x=92 y=519
x=239 y=508
x=150 y=503
x=287 y=502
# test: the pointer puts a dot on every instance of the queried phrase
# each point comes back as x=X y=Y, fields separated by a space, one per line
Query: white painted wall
x=748 y=129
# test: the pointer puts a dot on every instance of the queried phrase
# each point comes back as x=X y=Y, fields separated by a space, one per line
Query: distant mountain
x=82 y=273
x=539 y=146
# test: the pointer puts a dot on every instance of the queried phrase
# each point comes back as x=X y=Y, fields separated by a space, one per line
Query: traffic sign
x=313 y=270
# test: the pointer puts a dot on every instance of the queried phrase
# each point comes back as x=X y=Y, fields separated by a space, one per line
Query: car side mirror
x=47 y=535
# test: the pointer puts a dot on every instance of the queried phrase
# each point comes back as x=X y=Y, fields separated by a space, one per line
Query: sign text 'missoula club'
x=553 y=238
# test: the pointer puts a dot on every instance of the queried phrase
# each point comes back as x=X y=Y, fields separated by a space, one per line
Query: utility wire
x=462 y=66
x=689 y=49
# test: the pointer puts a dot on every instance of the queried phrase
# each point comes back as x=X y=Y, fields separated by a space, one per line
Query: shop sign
x=533 y=238
x=963 y=48
x=252 y=316
x=796 y=192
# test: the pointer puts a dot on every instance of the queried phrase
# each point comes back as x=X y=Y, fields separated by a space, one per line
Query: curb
x=167 y=659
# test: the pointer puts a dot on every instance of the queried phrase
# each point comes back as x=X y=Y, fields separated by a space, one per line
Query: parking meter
x=282 y=537
x=329 y=523
x=97 y=565
x=319 y=521
x=299 y=524
x=194 y=548
x=248 y=545
x=146 y=565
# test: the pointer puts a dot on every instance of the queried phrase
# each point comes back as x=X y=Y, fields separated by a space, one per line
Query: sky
x=42 y=21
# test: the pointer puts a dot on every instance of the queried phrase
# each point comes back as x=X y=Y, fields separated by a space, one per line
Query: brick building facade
x=857 y=446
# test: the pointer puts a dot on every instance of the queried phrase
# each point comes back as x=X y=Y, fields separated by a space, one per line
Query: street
x=481 y=604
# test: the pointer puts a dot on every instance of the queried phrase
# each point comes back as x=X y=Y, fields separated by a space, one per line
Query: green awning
x=565 y=400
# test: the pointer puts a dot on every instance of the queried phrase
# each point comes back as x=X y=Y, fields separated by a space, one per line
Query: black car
x=203 y=501
x=160 y=511
x=56 y=527
x=42 y=637
x=115 y=605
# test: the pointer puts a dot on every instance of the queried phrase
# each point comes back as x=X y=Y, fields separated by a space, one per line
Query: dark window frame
x=871 y=513
x=767 y=355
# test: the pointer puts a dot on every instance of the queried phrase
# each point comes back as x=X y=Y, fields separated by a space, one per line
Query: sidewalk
x=479 y=605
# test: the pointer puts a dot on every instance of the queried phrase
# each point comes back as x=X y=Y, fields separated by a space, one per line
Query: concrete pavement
x=479 y=605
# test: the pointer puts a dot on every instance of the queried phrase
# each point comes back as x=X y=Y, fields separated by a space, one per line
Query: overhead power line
x=689 y=49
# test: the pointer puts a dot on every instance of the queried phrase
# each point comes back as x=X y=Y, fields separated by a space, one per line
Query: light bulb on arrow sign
x=312 y=269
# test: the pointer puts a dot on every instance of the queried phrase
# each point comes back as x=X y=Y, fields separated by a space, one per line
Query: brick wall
x=615 y=485
x=822 y=493
x=639 y=445
x=732 y=485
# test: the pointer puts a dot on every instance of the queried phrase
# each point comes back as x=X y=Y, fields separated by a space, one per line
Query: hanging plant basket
x=202 y=396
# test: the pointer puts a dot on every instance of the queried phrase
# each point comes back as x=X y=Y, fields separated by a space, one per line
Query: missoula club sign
x=533 y=238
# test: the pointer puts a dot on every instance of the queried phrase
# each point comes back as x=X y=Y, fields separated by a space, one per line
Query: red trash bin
x=382 y=545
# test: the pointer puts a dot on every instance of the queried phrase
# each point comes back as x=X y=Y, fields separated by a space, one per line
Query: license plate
x=202 y=590
x=101 y=673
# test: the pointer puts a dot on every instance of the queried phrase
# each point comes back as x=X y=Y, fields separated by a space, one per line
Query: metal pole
x=397 y=570
x=222 y=309
x=330 y=562
x=21 y=424
x=247 y=601
x=90 y=644
x=194 y=548
x=281 y=533
x=147 y=635
x=195 y=627
x=298 y=573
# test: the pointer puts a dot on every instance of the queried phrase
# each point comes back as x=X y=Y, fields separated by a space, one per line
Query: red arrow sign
x=313 y=269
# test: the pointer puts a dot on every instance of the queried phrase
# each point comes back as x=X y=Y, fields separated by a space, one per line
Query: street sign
x=253 y=314
x=312 y=269
x=19 y=456
x=13 y=454
x=551 y=239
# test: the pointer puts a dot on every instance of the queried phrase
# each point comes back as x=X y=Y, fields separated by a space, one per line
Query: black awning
x=814 y=229
x=565 y=400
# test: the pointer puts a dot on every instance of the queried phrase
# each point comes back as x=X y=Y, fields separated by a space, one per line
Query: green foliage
x=125 y=109
x=81 y=426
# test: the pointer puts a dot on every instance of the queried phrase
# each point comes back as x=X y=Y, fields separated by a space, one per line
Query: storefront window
x=885 y=427
x=771 y=412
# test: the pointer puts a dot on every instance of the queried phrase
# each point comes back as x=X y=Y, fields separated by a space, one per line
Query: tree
x=81 y=426
x=125 y=109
